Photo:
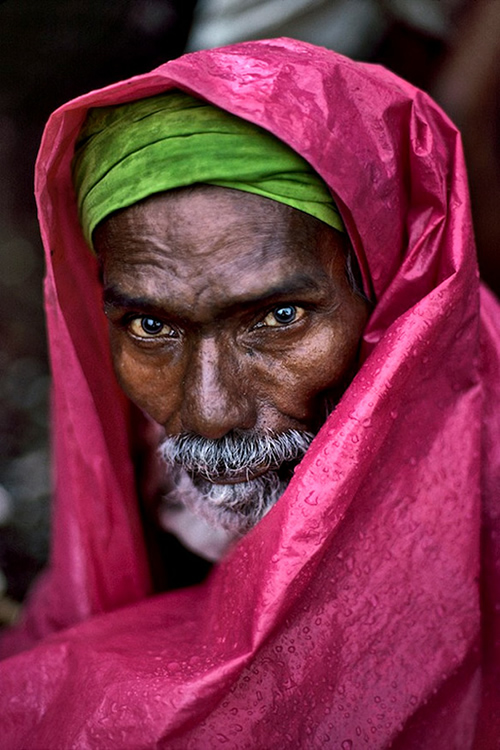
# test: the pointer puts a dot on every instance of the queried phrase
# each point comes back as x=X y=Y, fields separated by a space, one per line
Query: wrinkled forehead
x=217 y=243
x=193 y=217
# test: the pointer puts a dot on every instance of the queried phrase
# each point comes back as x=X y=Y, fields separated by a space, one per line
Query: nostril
x=215 y=417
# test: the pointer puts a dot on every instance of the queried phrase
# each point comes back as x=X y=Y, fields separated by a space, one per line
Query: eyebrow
x=297 y=285
x=113 y=297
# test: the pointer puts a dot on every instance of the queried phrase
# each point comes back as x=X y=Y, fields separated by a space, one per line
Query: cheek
x=320 y=364
x=149 y=385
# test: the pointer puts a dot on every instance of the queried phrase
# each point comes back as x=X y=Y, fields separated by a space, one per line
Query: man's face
x=231 y=317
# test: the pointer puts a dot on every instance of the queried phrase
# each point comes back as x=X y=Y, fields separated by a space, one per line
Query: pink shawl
x=362 y=612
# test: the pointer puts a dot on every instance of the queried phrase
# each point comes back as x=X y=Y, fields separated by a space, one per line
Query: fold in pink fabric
x=362 y=611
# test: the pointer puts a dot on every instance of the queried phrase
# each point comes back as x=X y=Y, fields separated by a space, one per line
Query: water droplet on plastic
x=311 y=499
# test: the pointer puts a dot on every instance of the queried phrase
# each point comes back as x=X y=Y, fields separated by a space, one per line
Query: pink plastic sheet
x=362 y=611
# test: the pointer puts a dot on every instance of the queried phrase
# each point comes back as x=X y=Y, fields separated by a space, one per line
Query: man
x=233 y=324
x=348 y=615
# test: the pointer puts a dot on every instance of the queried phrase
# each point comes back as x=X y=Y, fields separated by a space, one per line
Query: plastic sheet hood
x=350 y=616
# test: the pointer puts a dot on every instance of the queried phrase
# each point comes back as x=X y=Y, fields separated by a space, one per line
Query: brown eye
x=283 y=315
x=146 y=326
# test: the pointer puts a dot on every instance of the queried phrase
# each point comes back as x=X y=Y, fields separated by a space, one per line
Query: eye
x=283 y=316
x=147 y=327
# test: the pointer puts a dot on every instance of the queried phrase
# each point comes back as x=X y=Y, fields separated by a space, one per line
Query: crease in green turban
x=128 y=152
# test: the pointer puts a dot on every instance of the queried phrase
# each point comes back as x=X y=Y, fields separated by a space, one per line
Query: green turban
x=128 y=152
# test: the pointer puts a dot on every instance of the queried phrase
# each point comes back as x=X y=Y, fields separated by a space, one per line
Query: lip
x=239 y=478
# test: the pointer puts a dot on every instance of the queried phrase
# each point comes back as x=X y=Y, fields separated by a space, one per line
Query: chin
x=204 y=474
x=233 y=507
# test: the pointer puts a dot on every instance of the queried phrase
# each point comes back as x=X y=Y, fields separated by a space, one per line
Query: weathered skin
x=209 y=268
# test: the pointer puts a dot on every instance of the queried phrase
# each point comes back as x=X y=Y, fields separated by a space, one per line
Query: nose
x=216 y=398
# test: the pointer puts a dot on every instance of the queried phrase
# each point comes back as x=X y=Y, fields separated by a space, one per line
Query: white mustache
x=237 y=454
